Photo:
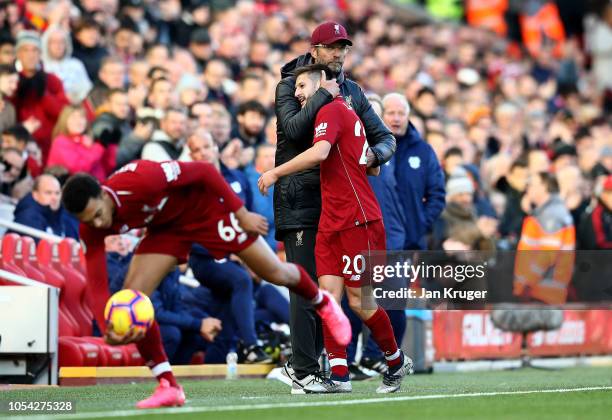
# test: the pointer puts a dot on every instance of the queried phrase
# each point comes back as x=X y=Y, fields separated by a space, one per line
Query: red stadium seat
x=131 y=355
x=9 y=248
x=73 y=352
x=63 y=262
x=25 y=258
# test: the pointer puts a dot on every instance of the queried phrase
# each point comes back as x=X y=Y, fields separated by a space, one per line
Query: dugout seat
x=9 y=249
x=62 y=260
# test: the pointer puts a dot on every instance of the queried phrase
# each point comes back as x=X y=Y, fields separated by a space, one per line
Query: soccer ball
x=129 y=308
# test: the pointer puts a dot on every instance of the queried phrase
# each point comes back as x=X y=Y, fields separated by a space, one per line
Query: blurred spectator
x=160 y=96
x=9 y=79
x=201 y=48
x=88 y=46
x=40 y=97
x=595 y=229
x=457 y=228
x=420 y=178
x=73 y=148
x=19 y=138
x=215 y=74
x=57 y=58
x=167 y=142
x=111 y=76
x=7 y=50
x=42 y=209
x=130 y=147
x=264 y=205
x=190 y=90
x=15 y=180
x=112 y=125
x=513 y=186
x=572 y=191
x=251 y=118
x=599 y=43
x=544 y=263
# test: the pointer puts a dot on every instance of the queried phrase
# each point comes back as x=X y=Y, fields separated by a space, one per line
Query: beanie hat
x=459 y=185
x=28 y=37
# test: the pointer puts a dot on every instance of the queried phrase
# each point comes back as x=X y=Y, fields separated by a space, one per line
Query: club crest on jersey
x=321 y=129
x=124 y=229
x=299 y=238
x=414 y=162
x=348 y=100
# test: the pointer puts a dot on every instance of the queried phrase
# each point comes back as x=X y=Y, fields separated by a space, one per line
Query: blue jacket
x=394 y=218
x=263 y=205
x=169 y=308
x=28 y=212
x=420 y=186
x=239 y=184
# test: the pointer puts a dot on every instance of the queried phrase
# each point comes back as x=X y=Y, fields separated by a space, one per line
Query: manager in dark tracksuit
x=297 y=198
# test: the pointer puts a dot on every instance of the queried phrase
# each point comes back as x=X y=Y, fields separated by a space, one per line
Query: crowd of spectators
x=92 y=85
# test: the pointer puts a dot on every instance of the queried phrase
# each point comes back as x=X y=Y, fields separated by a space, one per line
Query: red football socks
x=336 y=355
x=306 y=287
x=152 y=351
x=382 y=333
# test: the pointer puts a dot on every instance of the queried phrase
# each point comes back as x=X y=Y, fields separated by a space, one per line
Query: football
x=129 y=308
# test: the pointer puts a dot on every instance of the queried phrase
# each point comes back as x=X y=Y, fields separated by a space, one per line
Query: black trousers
x=306 y=329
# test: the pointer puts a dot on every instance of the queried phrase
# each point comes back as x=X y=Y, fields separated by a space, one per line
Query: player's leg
x=265 y=263
x=147 y=269
x=377 y=320
x=335 y=352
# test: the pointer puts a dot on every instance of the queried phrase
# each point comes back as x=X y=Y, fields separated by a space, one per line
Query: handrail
x=27 y=230
x=21 y=280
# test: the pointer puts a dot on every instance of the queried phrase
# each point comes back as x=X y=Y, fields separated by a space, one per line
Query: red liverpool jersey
x=348 y=199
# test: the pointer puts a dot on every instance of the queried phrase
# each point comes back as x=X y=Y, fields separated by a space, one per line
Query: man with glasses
x=297 y=197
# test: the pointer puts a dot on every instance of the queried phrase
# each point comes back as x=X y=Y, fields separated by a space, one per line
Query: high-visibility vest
x=545 y=254
x=545 y=25
x=487 y=14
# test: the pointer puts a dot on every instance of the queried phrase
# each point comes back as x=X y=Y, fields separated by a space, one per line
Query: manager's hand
x=266 y=180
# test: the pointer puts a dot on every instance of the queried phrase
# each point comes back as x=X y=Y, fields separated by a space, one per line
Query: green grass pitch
x=522 y=394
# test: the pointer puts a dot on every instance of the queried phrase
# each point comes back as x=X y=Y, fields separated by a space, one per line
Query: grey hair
x=399 y=97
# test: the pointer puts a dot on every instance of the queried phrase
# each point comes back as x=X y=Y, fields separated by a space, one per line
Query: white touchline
x=390 y=399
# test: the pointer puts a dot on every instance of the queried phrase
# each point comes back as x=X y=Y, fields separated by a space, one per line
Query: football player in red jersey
x=350 y=223
x=179 y=204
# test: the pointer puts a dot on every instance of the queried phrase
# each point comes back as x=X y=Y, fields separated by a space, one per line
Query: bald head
x=47 y=191
x=202 y=147
x=395 y=113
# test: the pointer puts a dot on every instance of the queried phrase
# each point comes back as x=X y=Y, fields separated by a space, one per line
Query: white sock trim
x=318 y=299
x=393 y=356
x=161 y=368
x=337 y=362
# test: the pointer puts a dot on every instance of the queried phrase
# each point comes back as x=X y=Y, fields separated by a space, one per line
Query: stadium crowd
x=521 y=132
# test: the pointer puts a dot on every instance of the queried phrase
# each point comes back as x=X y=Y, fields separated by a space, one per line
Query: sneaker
x=255 y=354
x=164 y=395
x=392 y=379
x=333 y=318
x=356 y=373
x=377 y=365
x=319 y=384
x=343 y=386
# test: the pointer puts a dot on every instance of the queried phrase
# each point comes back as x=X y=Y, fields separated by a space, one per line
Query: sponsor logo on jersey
x=130 y=167
x=321 y=129
x=355 y=277
x=172 y=170
x=414 y=162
